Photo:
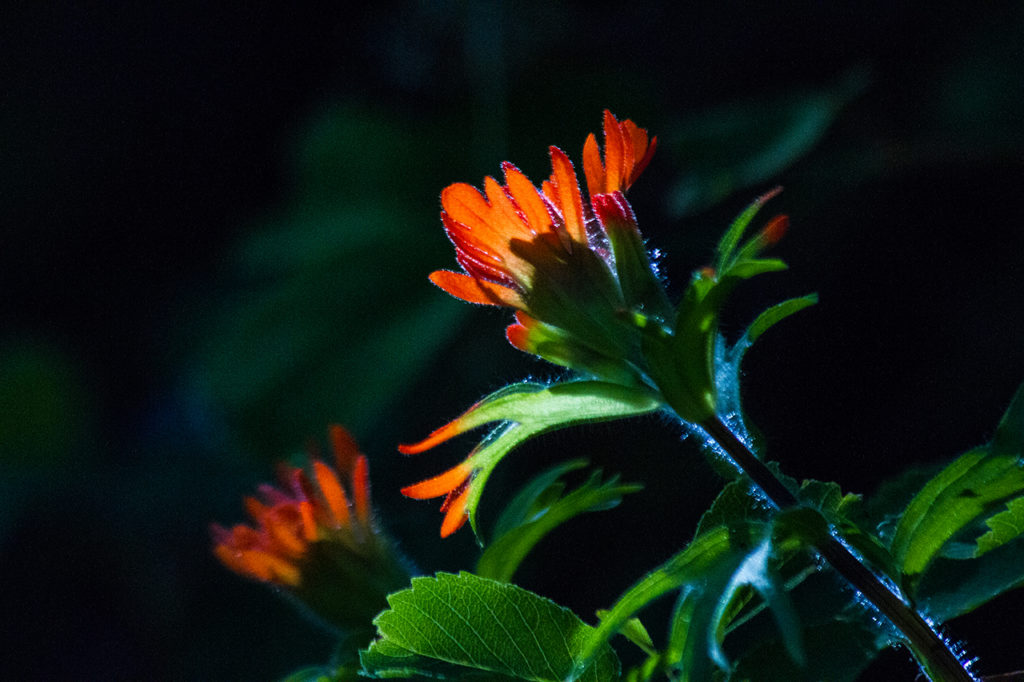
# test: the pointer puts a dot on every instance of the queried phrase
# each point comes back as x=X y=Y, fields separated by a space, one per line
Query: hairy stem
x=934 y=656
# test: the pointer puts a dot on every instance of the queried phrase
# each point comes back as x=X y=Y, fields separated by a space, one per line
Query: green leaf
x=776 y=314
x=735 y=504
x=534 y=497
x=1003 y=527
x=528 y=409
x=953 y=587
x=729 y=242
x=501 y=559
x=635 y=632
x=961 y=494
x=487 y=625
x=706 y=554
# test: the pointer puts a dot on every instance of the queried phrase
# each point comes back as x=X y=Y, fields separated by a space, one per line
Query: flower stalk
x=933 y=654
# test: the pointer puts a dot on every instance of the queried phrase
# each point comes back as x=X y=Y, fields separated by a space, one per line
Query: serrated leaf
x=961 y=494
x=1003 y=527
x=501 y=559
x=735 y=504
x=487 y=625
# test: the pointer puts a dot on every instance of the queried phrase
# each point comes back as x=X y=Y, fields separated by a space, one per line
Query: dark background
x=217 y=226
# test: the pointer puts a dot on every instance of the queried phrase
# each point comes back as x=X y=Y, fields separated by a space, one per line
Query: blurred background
x=217 y=224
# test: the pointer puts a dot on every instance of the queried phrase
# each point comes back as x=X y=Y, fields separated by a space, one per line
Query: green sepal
x=475 y=623
x=539 y=512
x=730 y=241
x=681 y=362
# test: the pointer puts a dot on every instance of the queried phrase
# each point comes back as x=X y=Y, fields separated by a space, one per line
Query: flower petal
x=454 y=510
x=475 y=290
x=441 y=484
x=567 y=197
x=333 y=494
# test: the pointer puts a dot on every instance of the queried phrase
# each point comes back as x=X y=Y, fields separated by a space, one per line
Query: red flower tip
x=775 y=230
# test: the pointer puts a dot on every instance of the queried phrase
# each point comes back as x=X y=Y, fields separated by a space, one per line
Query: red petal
x=344 y=447
x=361 y=489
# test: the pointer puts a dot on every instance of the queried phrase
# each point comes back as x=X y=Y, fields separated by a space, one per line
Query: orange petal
x=440 y=484
x=614 y=152
x=476 y=291
x=567 y=192
x=438 y=436
x=455 y=512
x=308 y=521
x=593 y=169
x=333 y=493
x=527 y=199
x=465 y=204
x=361 y=489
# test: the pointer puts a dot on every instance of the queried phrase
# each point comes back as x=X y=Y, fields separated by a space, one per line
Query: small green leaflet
x=483 y=624
x=538 y=510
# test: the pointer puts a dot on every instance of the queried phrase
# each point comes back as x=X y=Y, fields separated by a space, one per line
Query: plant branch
x=934 y=655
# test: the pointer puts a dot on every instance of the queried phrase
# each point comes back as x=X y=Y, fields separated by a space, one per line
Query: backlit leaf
x=487 y=625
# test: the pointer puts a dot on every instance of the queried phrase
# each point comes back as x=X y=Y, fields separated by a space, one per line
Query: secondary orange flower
x=306 y=511
x=549 y=253
x=315 y=537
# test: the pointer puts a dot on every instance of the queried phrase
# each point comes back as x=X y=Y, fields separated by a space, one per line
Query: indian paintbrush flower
x=570 y=267
x=316 y=541
x=586 y=296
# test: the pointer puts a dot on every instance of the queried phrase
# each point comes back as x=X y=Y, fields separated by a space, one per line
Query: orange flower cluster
x=308 y=510
x=514 y=239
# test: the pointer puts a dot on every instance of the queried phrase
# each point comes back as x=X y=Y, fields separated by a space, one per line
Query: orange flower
x=490 y=229
x=555 y=256
x=453 y=483
x=310 y=509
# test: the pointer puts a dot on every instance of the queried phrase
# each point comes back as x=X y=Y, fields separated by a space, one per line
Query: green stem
x=934 y=656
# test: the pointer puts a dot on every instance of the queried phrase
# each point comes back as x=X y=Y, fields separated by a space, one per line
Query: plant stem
x=934 y=656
